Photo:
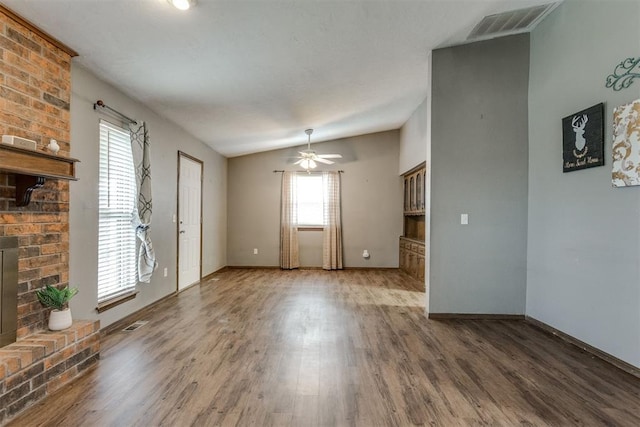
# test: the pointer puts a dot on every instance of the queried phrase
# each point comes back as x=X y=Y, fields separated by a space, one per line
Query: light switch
x=464 y=219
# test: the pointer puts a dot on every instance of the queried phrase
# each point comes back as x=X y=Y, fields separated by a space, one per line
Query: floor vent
x=135 y=325
x=512 y=22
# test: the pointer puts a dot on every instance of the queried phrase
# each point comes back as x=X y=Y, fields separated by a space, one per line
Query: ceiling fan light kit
x=308 y=164
x=308 y=159
x=182 y=4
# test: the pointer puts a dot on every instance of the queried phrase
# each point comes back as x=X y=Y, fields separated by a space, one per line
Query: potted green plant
x=58 y=300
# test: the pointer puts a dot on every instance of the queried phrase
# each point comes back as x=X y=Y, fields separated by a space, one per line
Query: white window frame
x=117 y=263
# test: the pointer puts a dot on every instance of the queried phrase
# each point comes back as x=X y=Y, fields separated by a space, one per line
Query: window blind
x=116 y=198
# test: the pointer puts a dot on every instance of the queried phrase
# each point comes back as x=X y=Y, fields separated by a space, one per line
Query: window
x=117 y=273
x=309 y=198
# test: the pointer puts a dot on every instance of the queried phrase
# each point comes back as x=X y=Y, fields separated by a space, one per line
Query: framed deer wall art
x=583 y=139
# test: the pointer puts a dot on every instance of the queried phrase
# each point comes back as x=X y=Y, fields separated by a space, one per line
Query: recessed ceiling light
x=182 y=4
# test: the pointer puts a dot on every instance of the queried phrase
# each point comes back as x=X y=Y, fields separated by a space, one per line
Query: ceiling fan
x=308 y=158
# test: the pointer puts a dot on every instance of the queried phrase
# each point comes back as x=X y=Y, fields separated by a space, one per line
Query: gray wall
x=415 y=148
x=479 y=167
x=583 y=250
x=166 y=140
x=413 y=138
x=371 y=203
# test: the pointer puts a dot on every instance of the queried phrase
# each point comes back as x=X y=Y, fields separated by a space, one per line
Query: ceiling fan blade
x=299 y=161
x=330 y=156
x=325 y=161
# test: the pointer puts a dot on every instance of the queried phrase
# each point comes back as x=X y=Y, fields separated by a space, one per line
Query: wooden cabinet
x=412 y=257
x=412 y=247
x=414 y=196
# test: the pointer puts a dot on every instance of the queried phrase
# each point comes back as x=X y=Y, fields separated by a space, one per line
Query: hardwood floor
x=306 y=348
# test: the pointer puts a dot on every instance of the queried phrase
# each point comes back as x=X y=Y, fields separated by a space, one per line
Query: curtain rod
x=100 y=103
x=277 y=170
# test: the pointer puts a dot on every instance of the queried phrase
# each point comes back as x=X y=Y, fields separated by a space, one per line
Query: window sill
x=311 y=228
x=115 y=301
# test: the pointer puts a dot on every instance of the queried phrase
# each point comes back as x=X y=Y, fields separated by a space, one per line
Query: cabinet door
x=419 y=183
x=412 y=193
x=406 y=195
x=424 y=188
x=407 y=261
x=413 y=265
x=420 y=267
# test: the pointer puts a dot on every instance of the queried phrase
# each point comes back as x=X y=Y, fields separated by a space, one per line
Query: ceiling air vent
x=512 y=22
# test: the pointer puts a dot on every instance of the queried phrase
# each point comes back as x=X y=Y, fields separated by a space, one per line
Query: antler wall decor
x=623 y=74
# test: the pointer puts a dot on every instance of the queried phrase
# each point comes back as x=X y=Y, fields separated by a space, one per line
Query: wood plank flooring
x=349 y=348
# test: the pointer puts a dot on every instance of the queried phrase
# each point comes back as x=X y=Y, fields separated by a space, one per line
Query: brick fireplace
x=35 y=88
x=35 y=92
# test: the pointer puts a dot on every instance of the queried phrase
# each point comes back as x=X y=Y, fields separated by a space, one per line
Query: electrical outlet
x=255 y=251
x=464 y=219
x=166 y=272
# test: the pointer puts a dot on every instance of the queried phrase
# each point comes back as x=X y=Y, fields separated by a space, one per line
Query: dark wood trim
x=412 y=240
x=274 y=267
x=415 y=169
x=621 y=364
x=203 y=279
x=311 y=228
x=136 y=315
x=252 y=267
x=28 y=25
x=208 y=277
x=212 y=275
x=475 y=316
x=194 y=159
x=197 y=283
x=113 y=302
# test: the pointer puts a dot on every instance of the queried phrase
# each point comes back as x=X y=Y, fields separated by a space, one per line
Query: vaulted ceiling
x=249 y=76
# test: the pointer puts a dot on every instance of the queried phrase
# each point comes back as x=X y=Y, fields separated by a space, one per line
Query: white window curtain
x=332 y=227
x=289 y=255
x=142 y=216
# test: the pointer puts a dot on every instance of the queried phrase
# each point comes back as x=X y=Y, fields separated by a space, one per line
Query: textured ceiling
x=249 y=76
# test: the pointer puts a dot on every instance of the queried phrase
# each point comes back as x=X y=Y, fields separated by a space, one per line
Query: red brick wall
x=35 y=91
x=39 y=365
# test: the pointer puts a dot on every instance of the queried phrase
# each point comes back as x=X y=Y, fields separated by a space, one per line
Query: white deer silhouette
x=578 y=124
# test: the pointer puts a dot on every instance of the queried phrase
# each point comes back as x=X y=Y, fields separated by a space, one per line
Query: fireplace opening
x=8 y=290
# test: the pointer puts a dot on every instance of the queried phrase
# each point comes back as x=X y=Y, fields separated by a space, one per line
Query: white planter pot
x=60 y=319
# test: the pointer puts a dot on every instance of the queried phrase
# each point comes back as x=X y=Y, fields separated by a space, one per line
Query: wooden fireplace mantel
x=31 y=167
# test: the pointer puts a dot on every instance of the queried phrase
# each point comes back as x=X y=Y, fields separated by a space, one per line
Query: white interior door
x=189 y=220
